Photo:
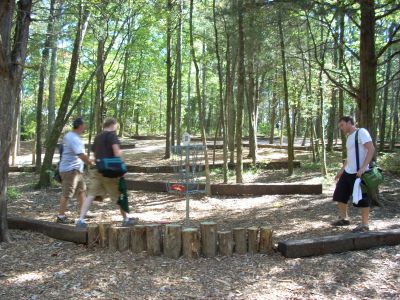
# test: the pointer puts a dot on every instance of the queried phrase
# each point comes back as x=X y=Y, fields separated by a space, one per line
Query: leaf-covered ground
x=34 y=266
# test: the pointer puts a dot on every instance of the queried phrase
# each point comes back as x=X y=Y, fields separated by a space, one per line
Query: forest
x=254 y=82
x=215 y=69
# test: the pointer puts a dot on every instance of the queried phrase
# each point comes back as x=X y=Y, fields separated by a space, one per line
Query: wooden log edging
x=274 y=165
x=58 y=231
x=235 y=189
x=179 y=241
x=338 y=243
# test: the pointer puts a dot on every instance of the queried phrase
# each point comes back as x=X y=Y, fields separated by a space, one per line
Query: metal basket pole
x=187 y=170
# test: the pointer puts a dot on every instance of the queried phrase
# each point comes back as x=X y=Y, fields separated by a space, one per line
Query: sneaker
x=130 y=222
x=81 y=224
x=341 y=222
x=361 y=228
x=64 y=220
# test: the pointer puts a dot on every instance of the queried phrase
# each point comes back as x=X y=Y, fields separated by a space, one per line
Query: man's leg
x=81 y=198
x=364 y=215
x=68 y=190
x=342 y=207
x=85 y=207
x=63 y=206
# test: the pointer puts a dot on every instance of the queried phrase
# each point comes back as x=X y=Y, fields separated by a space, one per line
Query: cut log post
x=153 y=237
x=239 y=238
x=103 y=234
x=252 y=236
x=123 y=238
x=93 y=235
x=191 y=242
x=266 y=240
x=138 y=238
x=225 y=243
x=208 y=238
x=173 y=240
x=113 y=238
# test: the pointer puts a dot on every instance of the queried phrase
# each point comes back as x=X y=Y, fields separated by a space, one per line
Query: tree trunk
x=42 y=77
x=122 y=113
x=382 y=129
x=12 y=58
x=221 y=99
x=51 y=103
x=341 y=91
x=199 y=103
x=178 y=115
x=368 y=66
x=169 y=84
x=59 y=123
x=395 y=126
x=240 y=95
x=231 y=54
x=286 y=98
x=100 y=78
x=16 y=130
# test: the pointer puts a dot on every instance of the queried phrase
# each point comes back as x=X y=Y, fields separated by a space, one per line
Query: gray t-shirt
x=73 y=146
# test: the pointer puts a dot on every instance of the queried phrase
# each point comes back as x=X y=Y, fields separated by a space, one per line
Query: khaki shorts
x=72 y=183
x=103 y=186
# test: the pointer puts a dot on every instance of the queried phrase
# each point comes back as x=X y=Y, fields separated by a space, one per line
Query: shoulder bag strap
x=357 y=153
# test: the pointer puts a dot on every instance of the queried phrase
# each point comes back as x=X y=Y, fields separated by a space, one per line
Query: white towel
x=357 y=193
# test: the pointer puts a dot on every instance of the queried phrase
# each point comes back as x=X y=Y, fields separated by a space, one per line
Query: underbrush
x=390 y=162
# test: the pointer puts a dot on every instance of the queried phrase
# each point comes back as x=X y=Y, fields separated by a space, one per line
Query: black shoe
x=341 y=222
x=361 y=228
x=64 y=220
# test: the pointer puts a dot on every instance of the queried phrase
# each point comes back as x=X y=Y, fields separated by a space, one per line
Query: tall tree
x=42 y=77
x=60 y=121
x=286 y=96
x=220 y=94
x=169 y=83
x=199 y=102
x=12 y=59
x=240 y=95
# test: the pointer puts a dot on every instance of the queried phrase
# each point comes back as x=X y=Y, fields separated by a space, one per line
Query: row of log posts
x=174 y=241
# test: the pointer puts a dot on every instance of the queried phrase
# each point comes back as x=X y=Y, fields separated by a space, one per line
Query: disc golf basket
x=188 y=168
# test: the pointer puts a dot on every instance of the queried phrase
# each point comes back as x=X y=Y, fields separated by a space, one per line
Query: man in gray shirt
x=71 y=169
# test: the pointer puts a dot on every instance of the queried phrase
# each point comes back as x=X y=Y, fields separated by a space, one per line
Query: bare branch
x=389 y=12
x=389 y=81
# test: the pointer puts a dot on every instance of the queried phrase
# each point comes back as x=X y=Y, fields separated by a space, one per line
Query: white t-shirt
x=73 y=146
x=363 y=137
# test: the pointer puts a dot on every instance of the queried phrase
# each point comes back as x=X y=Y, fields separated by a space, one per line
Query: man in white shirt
x=348 y=174
x=71 y=169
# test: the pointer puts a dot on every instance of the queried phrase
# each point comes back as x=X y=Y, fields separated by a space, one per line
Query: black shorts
x=344 y=190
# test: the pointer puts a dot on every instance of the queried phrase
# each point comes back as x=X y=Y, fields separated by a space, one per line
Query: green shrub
x=390 y=162
x=12 y=193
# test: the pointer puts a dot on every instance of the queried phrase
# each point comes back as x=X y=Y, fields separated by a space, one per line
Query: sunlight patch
x=31 y=276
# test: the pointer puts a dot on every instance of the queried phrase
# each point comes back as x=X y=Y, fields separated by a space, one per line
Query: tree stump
x=225 y=243
x=138 y=238
x=103 y=234
x=208 y=238
x=191 y=243
x=123 y=238
x=113 y=238
x=239 y=238
x=153 y=237
x=173 y=240
x=252 y=236
x=266 y=240
x=93 y=235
